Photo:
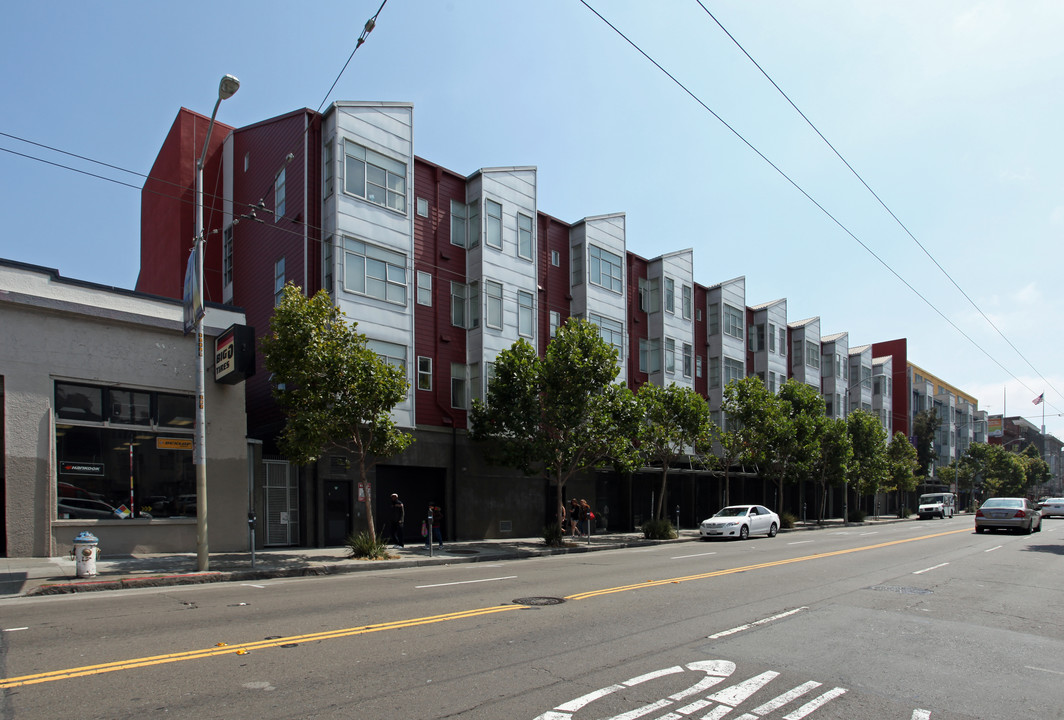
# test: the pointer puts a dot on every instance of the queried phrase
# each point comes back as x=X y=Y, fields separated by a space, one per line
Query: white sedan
x=740 y=521
x=1053 y=506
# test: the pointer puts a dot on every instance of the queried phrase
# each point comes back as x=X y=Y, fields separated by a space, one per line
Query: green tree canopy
x=561 y=414
x=869 y=469
x=832 y=462
x=925 y=425
x=674 y=418
x=334 y=391
x=756 y=422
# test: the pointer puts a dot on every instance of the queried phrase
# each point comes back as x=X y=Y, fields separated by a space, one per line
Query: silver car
x=740 y=521
x=1018 y=514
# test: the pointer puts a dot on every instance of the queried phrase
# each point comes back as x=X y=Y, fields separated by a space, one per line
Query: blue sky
x=950 y=110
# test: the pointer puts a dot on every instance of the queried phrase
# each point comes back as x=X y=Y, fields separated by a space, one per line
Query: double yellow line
x=413 y=622
x=223 y=649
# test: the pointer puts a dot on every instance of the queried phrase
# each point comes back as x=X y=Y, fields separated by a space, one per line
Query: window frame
x=424 y=375
x=394 y=270
x=601 y=265
x=493 y=224
x=394 y=187
x=525 y=314
x=493 y=294
x=424 y=290
x=525 y=236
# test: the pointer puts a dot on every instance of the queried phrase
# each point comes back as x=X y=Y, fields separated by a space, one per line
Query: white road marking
x=1029 y=667
x=874 y=532
x=260 y=587
x=996 y=547
x=15 y=629
x=933 y=567
x=682 y=557
x=799 y=542
x=464 y=582
x=777 y=702
x=815 y=704
x=762 y=621
x=921 y=715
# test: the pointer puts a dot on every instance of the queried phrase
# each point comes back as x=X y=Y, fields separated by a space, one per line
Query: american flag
x=1038 y=400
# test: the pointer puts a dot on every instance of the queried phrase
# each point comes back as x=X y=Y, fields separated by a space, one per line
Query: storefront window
x=123 y=453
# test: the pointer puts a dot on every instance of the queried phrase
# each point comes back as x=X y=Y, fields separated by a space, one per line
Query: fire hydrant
x=85 y=553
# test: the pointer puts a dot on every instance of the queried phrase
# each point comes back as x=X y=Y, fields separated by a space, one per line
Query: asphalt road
x=907 y=621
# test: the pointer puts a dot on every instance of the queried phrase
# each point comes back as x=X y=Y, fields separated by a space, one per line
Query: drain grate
x=903 y=590
x=539 y=601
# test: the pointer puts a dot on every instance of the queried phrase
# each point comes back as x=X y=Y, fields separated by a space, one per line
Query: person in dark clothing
x=398 y=520
x=437 y=525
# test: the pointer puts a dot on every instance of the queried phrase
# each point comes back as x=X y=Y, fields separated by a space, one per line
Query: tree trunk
x=661 y=496
x=368 y=498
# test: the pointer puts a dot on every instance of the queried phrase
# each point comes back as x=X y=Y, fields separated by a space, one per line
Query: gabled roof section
x=858 y=349
x=725 y=282
x=803 y=323
x=833 y=338
x=765 y=306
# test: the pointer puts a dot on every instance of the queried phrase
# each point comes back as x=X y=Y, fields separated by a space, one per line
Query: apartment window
x=424 y=288
x=812 y=354
x=649 y=356
x=688 y=302
x=670 y=355
x=473 y=226
x=714 y=319
x=524 y=236
x=798 y=351
x=649 y=297
x=733 y=370
x=772 y=383
x=576 y=262
x=555 y=258
x=493 y=297
x=493 y=232
x=327 y=265
x=375 y=177
x=227 y=256
x=476 y=390
x=391 y=353
x=826 y=368
x=459 y=305
x=733 y=321
x=611 y=331
x=688 y=359
x=459 y=396
x=771 y=338
x=555 y=322
x=524 y=313
x=327 y=168
x=698 y=366
x=838 y=365
x=670 y=295
x=278 y=196
x=424 y=373
x=278 y=281
x=459 y=214
x=714 y=371
x=783 y=341
x=605 y=268
x=756 y=339
x=423 y=207
x=866 y=376
x=374 y=271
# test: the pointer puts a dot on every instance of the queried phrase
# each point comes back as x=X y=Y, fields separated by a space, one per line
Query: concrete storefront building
x=97 y=398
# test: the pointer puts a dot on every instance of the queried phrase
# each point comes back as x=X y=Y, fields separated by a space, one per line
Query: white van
x=943 y=505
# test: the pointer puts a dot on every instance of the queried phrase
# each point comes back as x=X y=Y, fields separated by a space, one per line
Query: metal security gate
x=282 y=504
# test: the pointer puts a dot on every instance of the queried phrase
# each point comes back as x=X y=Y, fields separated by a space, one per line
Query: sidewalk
x=21 y=577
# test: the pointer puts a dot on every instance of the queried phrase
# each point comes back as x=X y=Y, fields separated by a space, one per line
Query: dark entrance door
x=337 y=511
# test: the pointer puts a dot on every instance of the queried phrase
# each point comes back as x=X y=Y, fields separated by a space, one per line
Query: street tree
x=673 y=418
x=759 y=426
x=832 y=463
x=1035 y=469
x=334 y=390
x=869 y=469
x=1002 y=472
x=559 y=415
x=901 y=467
x=925 y=425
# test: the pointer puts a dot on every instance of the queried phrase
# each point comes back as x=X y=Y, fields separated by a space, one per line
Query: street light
x=226 y=88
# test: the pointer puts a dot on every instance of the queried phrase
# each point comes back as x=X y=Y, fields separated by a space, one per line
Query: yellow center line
x=246 y=647
x=758 y=566
x=241 y=648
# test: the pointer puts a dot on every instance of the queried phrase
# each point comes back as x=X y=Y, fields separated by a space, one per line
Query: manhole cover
x=539 y=601
x=903 y=590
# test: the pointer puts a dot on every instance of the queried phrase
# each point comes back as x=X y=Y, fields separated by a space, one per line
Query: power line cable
x=874 y=194
x=801 y=190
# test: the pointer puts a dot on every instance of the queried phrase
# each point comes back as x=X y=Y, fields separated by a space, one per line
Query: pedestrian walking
x=398 y=521
x=435 y=525
x=586 y=515
x=575 y=516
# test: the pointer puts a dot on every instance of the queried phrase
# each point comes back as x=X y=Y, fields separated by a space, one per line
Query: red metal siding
x=554 y=290
x=257 y=246
x=897 y=349
x=637 y=324
x=701 y=340
x=434 y=335
x=168 y=208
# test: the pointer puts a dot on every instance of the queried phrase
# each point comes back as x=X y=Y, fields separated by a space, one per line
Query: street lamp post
x=226 y=88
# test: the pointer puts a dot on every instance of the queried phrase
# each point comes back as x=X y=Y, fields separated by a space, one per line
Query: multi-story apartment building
x=442 y=271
